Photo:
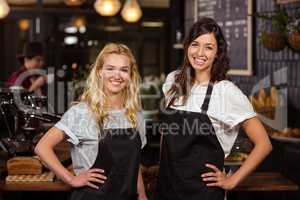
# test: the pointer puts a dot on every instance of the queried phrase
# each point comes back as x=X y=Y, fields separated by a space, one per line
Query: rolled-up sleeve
x=69 y=124
x=237 y=107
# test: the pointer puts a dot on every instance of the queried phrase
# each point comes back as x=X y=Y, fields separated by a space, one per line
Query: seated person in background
x=31 y=59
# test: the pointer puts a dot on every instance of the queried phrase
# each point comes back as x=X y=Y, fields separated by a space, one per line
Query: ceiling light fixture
x=131 y=11
x=4 y=9
x=107 y=7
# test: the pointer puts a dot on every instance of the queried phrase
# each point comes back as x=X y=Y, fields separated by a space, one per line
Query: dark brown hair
x=30 y=50
x=220 y=66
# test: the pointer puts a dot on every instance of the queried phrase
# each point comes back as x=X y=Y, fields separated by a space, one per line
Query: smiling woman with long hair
x=94 y=94
x=201 y=120
x=106 y=130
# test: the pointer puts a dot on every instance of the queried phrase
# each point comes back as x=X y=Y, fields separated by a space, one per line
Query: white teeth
x=115 y=82
x=199 y=61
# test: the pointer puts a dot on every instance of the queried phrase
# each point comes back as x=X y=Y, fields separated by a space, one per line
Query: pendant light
x=107 y=7
x=74 y=2
x=131 y=12
x=4 y=9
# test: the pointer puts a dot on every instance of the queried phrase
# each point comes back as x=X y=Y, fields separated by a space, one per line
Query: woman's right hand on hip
x=89 y=178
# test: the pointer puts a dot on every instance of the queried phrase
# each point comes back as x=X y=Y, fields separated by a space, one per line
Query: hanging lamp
x=107 y=7
x=4 y=9
x=131 y=11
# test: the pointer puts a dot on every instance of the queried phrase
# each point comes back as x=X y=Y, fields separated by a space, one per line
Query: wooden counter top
x=263 y=181
x=255 y=182
x=34 y=186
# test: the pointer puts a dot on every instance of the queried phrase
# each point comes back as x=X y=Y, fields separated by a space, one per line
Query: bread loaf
x=261 y=97
x=24 y=165
x=274 y=97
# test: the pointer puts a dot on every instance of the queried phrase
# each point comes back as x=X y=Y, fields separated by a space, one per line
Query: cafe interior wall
x=267 y=62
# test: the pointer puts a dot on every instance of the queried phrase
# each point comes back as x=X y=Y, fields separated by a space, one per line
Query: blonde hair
x=94 y=95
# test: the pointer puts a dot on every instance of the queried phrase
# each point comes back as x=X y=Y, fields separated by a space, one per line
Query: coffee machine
x=24 y=115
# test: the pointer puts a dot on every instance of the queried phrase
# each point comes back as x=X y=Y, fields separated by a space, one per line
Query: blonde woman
x=106 y=132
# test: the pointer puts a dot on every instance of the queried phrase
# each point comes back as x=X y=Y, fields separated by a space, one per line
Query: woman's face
x=34 y=63
x=115 y=73
x=202 y=52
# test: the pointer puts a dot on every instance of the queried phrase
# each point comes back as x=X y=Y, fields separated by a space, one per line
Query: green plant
x=279 y=19
x=275 y=39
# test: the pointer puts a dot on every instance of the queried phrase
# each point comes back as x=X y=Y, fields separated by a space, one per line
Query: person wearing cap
x=32 y=58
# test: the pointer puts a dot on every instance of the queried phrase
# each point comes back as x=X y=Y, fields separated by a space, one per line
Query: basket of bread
x=265 y=102
x=270 y=107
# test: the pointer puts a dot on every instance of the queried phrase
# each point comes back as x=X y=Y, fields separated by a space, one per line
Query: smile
x=199 y=61
x=116 y=83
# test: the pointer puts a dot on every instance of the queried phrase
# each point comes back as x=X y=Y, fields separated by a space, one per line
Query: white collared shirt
x=228 y=107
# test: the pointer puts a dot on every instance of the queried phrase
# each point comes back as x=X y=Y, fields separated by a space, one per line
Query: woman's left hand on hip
x=217 y=178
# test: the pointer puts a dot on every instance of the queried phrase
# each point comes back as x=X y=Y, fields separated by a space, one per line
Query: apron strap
x=206 y=101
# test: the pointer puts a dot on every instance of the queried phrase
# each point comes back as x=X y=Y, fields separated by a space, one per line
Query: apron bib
x=189 y=142
x=119 y=155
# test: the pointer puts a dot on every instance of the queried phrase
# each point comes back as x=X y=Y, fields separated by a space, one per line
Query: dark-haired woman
x=200 y=123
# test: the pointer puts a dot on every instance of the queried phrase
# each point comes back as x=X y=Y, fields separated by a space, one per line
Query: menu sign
x=233 y=17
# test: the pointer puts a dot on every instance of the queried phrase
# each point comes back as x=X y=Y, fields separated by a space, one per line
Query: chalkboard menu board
x=236 y=23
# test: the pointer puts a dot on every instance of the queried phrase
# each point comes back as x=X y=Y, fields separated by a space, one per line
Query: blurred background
x=264 y=46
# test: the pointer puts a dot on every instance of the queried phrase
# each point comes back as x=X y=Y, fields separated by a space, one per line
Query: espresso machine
x=23 y=114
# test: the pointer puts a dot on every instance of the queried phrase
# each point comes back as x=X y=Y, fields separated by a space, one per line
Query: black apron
x=189 y=142
x=119 y=155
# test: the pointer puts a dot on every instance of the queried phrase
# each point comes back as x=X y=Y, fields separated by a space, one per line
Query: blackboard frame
x=247 y=70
